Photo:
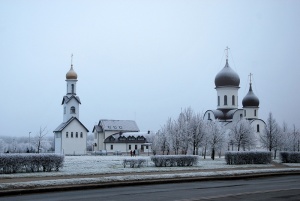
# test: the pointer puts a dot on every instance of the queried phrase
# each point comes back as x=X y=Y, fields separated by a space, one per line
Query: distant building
x=227 y=85
x=71 y=134
x=120 y=136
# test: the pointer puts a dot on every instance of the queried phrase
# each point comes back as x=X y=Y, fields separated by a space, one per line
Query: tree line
x=191 y=134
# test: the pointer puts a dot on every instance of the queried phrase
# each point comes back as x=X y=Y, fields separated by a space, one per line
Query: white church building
x=71 y=134
x=227 y=83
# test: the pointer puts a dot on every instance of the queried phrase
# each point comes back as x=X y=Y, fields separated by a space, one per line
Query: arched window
x=233 y=100
x=244 y=113
x=72 y=88
x=72 y=110
x=225 y=100
x=257 y=128
x=255 y=113
x=81 y=135
x=76 y=134
x=218 y=100
x=208 y=116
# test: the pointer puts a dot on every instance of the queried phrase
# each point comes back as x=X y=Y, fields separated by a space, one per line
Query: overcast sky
x=143 y=60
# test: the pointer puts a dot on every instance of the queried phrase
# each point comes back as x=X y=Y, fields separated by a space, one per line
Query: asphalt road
x=269 y=188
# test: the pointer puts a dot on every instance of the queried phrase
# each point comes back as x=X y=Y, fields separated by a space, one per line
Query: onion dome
x=227 y=77
x=71 y=74
x=250 y=100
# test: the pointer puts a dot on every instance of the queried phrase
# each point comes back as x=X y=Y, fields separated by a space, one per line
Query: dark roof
x=250 y=100
x=118 y=125
x=97 y=128
x=66 y=99
x=227 y=77
x=62 y=126
x=131 y=137
x=223 y=114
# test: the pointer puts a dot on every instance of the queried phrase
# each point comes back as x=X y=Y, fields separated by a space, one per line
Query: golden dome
x=71 y=74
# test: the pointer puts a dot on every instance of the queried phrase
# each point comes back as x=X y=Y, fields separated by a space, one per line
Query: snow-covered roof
x=118 y=125
x=67 y=99
x=62 y=126
x=132 y=137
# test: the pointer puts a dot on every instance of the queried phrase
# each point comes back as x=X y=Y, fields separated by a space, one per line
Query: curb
x=139 y=182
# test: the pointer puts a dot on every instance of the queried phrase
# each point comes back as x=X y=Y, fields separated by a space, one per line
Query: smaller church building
x=71 y=134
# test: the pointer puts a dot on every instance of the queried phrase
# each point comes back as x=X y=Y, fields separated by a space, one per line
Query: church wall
x=74 y=146
x=124 y=147
x=229 y=92
x=67 y=114
x=99 y=139
x=58 y=142
x=257 y=134
x=237 y=115
x=250 y=114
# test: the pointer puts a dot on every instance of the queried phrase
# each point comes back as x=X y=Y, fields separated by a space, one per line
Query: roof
x=227 y=77
x=250 y=100
x=118 y=125
x=62 y=126
x=223 y=114
x=128 y=137
x=66 y=99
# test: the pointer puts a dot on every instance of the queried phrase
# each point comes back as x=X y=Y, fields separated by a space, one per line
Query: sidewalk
x=30 y=184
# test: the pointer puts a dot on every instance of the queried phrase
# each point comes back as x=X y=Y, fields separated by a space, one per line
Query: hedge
x=133 y=162
x=16 y=163
x=174 y=160
x=289 y=157
x=247 y=157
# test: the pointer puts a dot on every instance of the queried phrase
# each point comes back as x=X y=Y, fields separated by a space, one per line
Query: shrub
x=174 y=160
x=247 y=157
x=14 y=163
x=289 y=157
x=134 y=162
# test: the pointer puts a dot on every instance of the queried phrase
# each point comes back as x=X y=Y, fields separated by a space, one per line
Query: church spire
x=226 y=50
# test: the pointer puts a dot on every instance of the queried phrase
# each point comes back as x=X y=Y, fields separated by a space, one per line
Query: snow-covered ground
x=91 y=165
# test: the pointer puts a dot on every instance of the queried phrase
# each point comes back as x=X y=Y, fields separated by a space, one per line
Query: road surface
x=269 y=188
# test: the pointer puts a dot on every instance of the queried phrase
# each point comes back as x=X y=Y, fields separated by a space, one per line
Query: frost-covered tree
x=241 y=134
x=39 y=140
x=296 y=139
x=216 y=136
x=271 y=136
x=198 y=131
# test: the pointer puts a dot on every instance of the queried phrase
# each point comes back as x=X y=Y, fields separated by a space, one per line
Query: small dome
x=71 y=74
x=250 y=100
x=227 y=77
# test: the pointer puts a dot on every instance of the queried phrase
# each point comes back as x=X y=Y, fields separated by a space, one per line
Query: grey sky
x=143 y=60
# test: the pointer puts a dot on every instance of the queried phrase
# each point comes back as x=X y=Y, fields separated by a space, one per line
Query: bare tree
x=216 y=136
x=197 y=132
x=271 y=136
x=39 y=138
x=241 y=134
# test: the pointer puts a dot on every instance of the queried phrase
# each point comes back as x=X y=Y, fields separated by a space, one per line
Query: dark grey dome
x=227 y=77
x=250 y=100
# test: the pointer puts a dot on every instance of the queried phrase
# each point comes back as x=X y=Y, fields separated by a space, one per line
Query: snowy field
x=90 y=165
x=112 y=168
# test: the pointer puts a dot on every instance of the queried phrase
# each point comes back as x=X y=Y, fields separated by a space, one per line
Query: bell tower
x=70 y=101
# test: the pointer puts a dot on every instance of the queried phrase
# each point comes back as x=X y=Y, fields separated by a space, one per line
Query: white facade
x=71 y=140
x=227 y=97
